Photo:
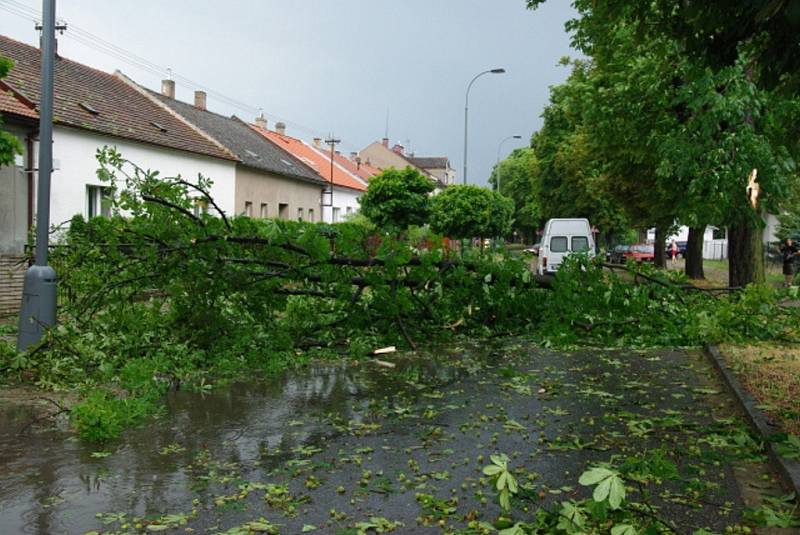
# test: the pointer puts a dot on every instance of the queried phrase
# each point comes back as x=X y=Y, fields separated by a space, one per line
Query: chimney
x=353 y=156
x=280 y=128
x=168 y=88
x=338 y=153
x=200 y=100
x=318 y=142
x=261 y=121
x=399 y=149
x=386 y=142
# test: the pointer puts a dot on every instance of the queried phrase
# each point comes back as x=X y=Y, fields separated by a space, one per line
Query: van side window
x=558 y=244
x=580 y=244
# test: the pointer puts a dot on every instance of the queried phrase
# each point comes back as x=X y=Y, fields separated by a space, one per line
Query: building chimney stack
x=280 y=128
x=317 y=142
x=386 y=142
x=261 y=121
x=168 y=88
x=399 y=149
x=200 y=100
x=353 y=156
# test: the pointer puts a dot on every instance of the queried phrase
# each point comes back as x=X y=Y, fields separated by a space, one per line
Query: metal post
x=466 y=115
x=38 y=308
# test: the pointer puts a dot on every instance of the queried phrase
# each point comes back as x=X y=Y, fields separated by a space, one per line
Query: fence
x=12 y=277
x=715 y=250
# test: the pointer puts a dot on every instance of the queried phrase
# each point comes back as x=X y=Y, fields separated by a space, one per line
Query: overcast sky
x=338 y=66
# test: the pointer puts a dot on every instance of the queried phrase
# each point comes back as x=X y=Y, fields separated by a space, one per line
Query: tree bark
x=694 y=253
x=658 y=247
x=745 y=255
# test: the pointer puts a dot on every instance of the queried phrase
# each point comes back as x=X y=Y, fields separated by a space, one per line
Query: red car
x=641 y=252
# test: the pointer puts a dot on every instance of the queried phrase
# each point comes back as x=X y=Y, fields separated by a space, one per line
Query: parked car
x=640 y=252
x=533 y=249
x=681 y=249
x=617 y=254
x=561 y=238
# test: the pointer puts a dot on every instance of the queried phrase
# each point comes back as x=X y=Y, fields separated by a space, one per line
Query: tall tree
x=721 y=127
x=517 y=176
x=572 y=180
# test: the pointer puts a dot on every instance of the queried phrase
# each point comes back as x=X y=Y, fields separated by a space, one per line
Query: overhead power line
x=90 y=40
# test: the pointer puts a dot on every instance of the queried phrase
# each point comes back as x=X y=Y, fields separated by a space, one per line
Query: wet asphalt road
x=333 y=445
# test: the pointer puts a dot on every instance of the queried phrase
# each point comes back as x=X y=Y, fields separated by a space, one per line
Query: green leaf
x=492 y=470
x=617 y=492
x=623 y=529
x=594 y=476
x=602 y=490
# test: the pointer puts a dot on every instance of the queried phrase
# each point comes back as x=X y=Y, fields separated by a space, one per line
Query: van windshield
x=580 y=244
x=558 y=244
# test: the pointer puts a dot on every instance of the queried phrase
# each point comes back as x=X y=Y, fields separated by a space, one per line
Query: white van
x=562 y=237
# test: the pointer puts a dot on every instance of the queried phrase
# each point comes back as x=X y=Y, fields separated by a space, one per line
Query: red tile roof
x=12 y=102
x=105 y=103
x=362 y=170
x=315 y=159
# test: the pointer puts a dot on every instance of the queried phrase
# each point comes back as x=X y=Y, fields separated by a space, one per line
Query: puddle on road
x=52 y=483
x=364 y=441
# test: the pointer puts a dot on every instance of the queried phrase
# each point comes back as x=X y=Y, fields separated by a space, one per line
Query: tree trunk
x=694 y=253
x=658 y=247
x=745 y=255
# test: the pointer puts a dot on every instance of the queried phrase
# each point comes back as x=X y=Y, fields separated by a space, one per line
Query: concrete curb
x=788 y=468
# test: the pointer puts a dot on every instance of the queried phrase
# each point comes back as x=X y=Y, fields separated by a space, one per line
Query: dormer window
x=88 y=107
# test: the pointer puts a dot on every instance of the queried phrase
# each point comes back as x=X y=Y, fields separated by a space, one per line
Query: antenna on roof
x=386 y=133
x=169 y=73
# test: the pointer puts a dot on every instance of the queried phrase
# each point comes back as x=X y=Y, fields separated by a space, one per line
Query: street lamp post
x=499 y=148
x=466 y=114
x=38 y=308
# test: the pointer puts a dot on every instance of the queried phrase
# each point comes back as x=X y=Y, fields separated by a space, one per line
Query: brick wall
x=12 y=273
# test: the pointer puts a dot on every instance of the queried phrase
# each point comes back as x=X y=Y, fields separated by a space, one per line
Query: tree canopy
x=397 y=199
x=466 y=211
x=517 y=176
x=710 y=30
x=667 y=131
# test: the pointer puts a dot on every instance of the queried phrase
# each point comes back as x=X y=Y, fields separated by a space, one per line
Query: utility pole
x=332 y=141
x=38 y=308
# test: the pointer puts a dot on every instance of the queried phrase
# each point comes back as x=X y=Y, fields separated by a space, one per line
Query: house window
x=248 y=209
x=299 y=214
x=98 y=201
x=200 y=206
x=264 y=210
x=311 y=215
x=720 y=234
x=336 y=211
x=283 y=211
x=349 y=210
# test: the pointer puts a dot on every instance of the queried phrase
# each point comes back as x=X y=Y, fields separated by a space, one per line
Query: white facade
x=75 y=170
x=345 y=205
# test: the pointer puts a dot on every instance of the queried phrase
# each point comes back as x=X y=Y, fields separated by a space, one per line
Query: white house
x=93 y=109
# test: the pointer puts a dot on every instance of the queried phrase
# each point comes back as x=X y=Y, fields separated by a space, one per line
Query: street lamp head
x=498 y=71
